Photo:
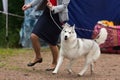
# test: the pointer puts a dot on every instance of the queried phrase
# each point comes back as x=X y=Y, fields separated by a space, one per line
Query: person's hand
x=49 y=4
x=26 y=6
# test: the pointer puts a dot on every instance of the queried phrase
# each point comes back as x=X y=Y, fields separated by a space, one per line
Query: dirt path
x=14 y=68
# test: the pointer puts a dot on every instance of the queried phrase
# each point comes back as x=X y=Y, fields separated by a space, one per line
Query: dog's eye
x=64 y=30
x=69 y=32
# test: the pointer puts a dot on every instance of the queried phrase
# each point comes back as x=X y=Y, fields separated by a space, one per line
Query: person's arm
x=59 y=8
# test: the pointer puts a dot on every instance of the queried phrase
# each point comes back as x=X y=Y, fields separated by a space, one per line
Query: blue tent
x=85 y=14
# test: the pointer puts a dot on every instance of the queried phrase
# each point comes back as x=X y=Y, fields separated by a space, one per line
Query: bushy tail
x=102 y=36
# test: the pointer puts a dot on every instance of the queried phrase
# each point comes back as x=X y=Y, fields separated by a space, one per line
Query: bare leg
x=36 y=46
x=54 y=50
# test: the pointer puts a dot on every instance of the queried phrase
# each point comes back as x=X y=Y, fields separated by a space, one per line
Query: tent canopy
x=85 y=14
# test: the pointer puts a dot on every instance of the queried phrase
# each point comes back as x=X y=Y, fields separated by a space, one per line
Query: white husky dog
x=73 y=48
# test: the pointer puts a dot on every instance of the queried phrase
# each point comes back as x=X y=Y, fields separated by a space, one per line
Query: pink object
x=112 y=40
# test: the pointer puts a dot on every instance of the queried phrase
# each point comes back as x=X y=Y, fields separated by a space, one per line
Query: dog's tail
x=102 y=36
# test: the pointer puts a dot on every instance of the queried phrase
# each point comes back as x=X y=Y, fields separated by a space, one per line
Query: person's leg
x=54 y=51
x=36 y=47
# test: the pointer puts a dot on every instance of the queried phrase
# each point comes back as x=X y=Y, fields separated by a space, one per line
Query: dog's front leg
x=83 y=70
x=60 y=60
x=69 y=67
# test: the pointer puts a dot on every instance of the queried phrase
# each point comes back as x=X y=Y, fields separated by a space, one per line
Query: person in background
x=30 y=19
x=46 y=28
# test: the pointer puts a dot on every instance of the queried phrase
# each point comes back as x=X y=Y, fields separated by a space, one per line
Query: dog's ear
x=73 y=27
x=65 y=25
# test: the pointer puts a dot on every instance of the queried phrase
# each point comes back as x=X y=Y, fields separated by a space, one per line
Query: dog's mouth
x=65 y=37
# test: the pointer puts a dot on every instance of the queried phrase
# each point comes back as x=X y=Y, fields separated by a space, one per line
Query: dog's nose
x=65 y=38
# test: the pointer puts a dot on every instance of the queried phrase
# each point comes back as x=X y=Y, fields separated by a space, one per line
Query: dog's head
x=68 y=32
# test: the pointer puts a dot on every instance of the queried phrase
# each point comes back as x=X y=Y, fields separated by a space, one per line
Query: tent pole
x=7 y=39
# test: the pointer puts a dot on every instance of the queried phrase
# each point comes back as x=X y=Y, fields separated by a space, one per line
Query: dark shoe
x=50 y=69
x=32 y=64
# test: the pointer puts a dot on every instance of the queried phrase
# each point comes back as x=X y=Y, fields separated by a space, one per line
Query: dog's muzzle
x=65 y=37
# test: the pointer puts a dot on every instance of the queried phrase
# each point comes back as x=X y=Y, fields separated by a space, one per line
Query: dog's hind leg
x=60 y=60
x=92 y=68
x=84 y=69
x=69 y=66
x=88 y=61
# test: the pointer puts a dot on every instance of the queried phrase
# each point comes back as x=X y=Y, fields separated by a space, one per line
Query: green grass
x=2 y=64
x=6 y=52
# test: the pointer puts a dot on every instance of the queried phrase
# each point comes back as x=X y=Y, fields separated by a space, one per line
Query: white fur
x=73 y=48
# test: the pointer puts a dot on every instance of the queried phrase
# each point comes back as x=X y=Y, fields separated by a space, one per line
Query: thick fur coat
x=73 y=48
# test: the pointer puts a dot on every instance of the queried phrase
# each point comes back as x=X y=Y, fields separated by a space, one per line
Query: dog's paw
x=54 y=73
x=69 y=71
x=80 y=75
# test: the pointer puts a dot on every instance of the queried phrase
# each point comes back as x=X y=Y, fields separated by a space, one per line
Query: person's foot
x=33 y=63
x=51 y=68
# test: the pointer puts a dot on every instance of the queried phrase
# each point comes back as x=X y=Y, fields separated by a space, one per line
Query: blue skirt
x=46 y=29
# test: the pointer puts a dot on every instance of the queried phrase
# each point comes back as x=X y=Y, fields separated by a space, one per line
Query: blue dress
x=30 y=19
